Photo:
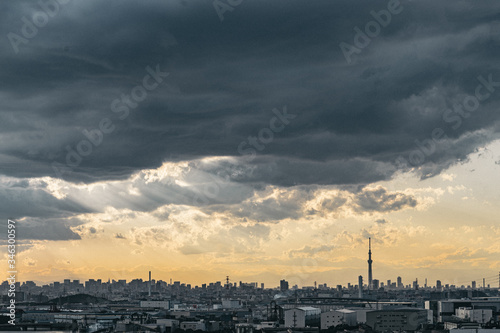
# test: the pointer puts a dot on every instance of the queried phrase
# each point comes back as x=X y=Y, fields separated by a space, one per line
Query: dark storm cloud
x=352 y=120
x=380 y=200
x=20 y=199
x=274 y=205
x=45 y=229
x=292 y=171
x=268 y=205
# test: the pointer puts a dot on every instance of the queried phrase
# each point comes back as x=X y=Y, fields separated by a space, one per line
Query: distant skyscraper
x=400 y=283
x=149 y=285
x=360 y=286
x=438 y=285
x=283 y=285
x=370 y=261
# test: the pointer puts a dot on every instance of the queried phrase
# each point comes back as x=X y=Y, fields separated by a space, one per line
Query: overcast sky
x=269 y=139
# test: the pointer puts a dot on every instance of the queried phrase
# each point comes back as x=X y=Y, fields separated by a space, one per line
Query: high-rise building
x=370 y=261
x=360 y=286
x=149 y=285
x=283 y=285
x=400 y=283
x=438 y=285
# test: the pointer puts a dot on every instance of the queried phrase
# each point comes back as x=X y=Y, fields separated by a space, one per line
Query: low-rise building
x=397 y=319
x=474 y=330
x=193 y=325
x=155 y=304
x=231 y=304
x=338 y=317
x=481 y=316
x=361 y=314
x=306 y=316
x=173 y=324
x=446 y=309
x=38 y=317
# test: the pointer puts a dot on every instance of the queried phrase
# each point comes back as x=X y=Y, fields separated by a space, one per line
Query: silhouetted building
x=400 y=283
x=360 y=286
x=283 y=285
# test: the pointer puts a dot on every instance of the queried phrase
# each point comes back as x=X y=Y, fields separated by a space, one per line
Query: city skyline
x=493 y=283
x=372 y=284
x=261 y=140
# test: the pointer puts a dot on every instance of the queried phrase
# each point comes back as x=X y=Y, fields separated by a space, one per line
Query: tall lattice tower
x=370 y=261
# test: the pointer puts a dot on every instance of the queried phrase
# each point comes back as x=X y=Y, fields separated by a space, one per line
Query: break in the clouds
x=176 y=189
x=351 y=120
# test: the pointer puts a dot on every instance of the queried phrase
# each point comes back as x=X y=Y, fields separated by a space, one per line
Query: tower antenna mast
x=370 y=261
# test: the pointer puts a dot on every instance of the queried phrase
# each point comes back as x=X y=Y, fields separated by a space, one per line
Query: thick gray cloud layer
x=352 y=120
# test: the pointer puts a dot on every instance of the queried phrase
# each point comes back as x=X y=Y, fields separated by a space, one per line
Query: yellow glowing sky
x=452 y=233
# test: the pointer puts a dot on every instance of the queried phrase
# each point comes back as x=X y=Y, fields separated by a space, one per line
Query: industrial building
x=397 y=319
x=481 y=316
x=445 y=310
x=231 y=304
x=338 y=317
x=155 y=304
x=306 y=316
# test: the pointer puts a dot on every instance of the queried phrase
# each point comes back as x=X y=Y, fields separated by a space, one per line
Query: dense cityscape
x=225 y=306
